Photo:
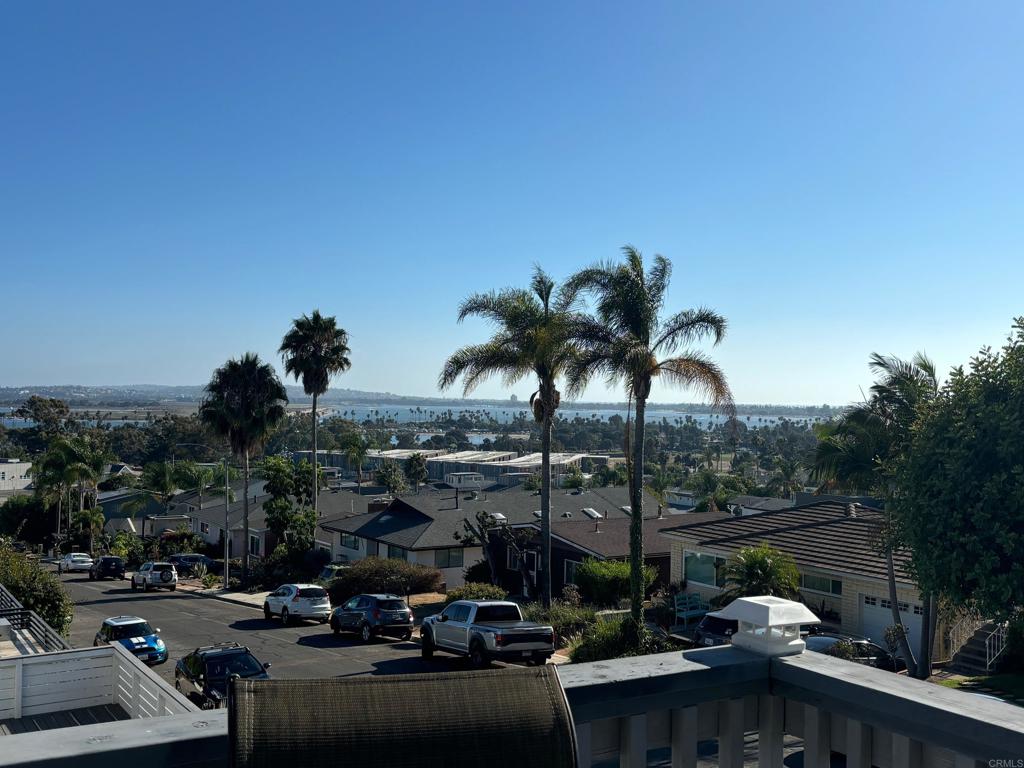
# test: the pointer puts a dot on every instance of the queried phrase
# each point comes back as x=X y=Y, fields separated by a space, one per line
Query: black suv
x=864 y=651
x=186 y=563
x=370 y=615
x=107 y=567
x=203 y=675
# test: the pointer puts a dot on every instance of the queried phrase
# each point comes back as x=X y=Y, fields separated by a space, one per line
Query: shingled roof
x=822 y=535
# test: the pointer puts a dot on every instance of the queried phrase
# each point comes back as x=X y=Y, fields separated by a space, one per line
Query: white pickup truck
x=486 y=630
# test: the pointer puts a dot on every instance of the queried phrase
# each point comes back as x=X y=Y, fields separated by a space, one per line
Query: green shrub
x=616 y=640
x=212 y=580
x=606 y=582
x=566 y=619
x=478 y=573
x=377 y=575
x=36 y=589
x=476 y=591
x=1013 y=660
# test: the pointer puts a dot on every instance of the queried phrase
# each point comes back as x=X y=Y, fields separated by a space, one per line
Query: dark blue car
x=136 y=636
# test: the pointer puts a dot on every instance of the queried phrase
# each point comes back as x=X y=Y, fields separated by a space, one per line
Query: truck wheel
x=427 y=647
x=478 y=655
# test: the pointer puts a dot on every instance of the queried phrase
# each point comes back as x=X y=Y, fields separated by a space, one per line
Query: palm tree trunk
x=245 y=525
x=316 y=475
x=908 y=654
x=636 y=523
x=545 y=496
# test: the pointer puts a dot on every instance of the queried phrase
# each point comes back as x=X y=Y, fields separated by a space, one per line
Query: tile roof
x=610 y=538
x=762 y=503
x=821 y=535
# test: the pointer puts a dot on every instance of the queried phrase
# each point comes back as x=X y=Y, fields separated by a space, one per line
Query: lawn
x=1011 y=683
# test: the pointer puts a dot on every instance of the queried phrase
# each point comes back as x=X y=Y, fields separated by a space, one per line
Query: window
x=511 y=559
x=869 y=600
x=204 y=527
x=821 y=584
x=570 y=571
x=348 y=541
x=254 y=545
x=448 y=558
x=397 y=553
x=704 y=569
x=918 y=610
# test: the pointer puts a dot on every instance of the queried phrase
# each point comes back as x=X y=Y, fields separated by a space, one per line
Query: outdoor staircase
x=970 y=660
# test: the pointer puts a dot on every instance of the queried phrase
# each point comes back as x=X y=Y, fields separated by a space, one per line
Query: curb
x=225 y=598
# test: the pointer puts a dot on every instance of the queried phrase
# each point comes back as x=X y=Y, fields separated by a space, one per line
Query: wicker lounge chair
x=515 y=717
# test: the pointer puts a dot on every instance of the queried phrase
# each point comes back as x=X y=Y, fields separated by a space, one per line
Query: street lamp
x=227 y=506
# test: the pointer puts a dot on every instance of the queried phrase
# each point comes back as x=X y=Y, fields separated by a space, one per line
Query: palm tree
x=627 y=342
x=90 y=522
x=859 y=452
x=356 y=452
x=193 y=477
x=787 y=479
x=531 y=338
x=760 y=570
x=245 y=402
x=314 y=350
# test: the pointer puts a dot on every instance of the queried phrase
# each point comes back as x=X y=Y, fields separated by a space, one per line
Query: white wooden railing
x=995 y=644
x=85 y=677
x=961 y=632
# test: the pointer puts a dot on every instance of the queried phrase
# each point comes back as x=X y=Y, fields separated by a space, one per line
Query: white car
x=75 y=562
x=298 y=601
x=155 y=575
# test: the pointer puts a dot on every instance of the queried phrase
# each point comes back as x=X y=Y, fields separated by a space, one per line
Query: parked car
x=298 y=601
x=137 y=637
x=864 y=651
x=203 y=675
x=485 y=630
x=74 y=562
x=107 y=567
x=152 y=575
x=370 y=615
x=186 y=564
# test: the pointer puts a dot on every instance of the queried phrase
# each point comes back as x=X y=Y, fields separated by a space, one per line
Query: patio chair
x=690 y=605
x=510 y=717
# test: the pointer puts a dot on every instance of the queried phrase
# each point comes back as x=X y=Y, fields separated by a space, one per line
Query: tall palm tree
x=628 y=343
x=90 y=522
x=245 y=402
x=858 y=454
x=190 y=476
x=314 y=350
x=531 y=337
x=356 y=452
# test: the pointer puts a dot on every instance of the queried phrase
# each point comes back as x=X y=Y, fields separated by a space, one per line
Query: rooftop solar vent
x=592 y=513
x=537 y=513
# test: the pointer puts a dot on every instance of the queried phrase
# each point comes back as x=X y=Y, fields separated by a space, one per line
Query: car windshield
x=498 y=613
x=312 y=592
x=241 y=663
x=123 y=631
x=716 y=626
x=391 y=605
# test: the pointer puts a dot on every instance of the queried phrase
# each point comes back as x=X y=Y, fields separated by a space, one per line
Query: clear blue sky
x=178 y=181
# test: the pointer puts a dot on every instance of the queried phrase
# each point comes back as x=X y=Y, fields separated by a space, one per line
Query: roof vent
x=538 y=514
x=567 y=514
x=851 y=509
x=498 y=517
x=592 y=513
x=597 y=526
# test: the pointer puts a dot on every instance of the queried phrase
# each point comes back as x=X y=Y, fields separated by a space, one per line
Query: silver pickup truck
x=486 y=630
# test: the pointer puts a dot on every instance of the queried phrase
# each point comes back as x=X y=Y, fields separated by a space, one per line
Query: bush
x=567 y=619
x=376 y=575
x=616 y=640
x=606 y=582
x=1014 y=654
x=476 y=591
x=211 y=580
x=478 y=573
x=36 y=589
x=571 y=594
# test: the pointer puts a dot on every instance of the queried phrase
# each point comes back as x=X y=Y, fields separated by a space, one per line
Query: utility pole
x=227 y=532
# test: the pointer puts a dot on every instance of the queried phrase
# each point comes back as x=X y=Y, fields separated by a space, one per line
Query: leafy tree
x=787 y=480
x=279 y=483
x=416 y=470
x=760 y=570
x=314 y=350
x=627 y=342
x=190 y=476
x=531 y=338
x=24 y=518
x=245 y=402
x=574 y=479
x=36 y=588
x=960 y=484
x=391 y=477
x=532 y=483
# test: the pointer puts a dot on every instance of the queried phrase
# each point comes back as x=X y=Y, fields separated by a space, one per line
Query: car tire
x=365 y=632
x=427 y=645
x=407 y=635
x=539 y=659
x=145 y=586
x=478 y=656
x=173 y=587
x=134 y=588
x=285 y=618
x=266 y=612
x=335 y=628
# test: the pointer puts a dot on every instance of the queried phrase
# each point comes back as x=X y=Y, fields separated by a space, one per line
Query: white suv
x=154 y=575
x=298 y=601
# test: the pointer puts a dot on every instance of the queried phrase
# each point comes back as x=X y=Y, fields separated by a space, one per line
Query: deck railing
x=34 y=632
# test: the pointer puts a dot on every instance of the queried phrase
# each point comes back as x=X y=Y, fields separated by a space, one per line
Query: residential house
x=15 y=477
x=749 y=505
x=208 y=522
x=127 y=509
x=843 y=575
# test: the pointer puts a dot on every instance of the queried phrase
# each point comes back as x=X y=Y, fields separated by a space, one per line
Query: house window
x=348 y=541
x=821 y=584
x=512 y=560
x=204 y=527
x=570 y=571
x=704 y=569
x=254 y=545
x=448 y=558
x=397 y=553
x=869 y=600
x=918 y=610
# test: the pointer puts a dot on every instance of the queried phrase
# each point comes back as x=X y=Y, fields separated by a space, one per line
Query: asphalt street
x=186 y=621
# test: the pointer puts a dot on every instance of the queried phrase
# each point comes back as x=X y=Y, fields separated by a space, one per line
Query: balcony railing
x=30 y=632
x=624 y=709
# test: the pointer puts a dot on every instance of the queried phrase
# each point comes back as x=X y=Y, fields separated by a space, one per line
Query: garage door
x=876 y=615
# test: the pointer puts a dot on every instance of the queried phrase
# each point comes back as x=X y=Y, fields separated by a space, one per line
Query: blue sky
x=178 y=181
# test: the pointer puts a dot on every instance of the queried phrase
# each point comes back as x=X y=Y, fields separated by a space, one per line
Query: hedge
x=375 y=575
x=606 y=582
x=475 y=591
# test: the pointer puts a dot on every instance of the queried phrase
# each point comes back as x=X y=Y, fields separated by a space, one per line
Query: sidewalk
x=250 y=599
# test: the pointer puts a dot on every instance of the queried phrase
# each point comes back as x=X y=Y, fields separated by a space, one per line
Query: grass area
x=1011 y=683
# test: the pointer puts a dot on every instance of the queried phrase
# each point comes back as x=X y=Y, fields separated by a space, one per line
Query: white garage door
x=876 y=615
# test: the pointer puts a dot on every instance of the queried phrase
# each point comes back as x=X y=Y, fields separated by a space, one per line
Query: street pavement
x=186 y=621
